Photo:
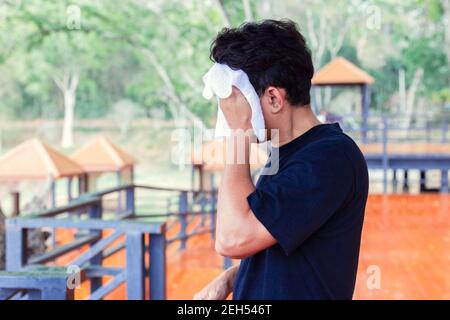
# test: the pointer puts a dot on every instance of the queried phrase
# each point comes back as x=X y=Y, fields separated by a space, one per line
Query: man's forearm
x=230 y=276
x=221 y=287
x=236 y=185
x=239 y=233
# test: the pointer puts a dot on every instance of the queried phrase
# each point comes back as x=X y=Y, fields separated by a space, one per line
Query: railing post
x=16 y=245
x=69 y=189
x=83 y=184
x=16 y=203
x=135 y=264
x=53 y=193
x=444 y=131
x=423 y=181
x=95 y=212
x=428 y=131
x=385 y=153
x=405 y=181
x=157 y=268
x=130 y=200
x=182 y=209
x=444 y=181
x=202 y=208
x=394 y=180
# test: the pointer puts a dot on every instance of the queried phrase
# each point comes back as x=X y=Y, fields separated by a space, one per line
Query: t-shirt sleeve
x=297 y=201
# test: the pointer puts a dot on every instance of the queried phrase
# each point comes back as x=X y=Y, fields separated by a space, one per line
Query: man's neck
x=300 y=120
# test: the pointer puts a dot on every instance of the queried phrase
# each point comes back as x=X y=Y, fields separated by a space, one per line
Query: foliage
x=120 y=43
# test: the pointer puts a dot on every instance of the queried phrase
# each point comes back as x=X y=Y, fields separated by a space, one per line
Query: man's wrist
x=238 y=147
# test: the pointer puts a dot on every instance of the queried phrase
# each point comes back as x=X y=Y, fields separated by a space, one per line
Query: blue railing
x=385 y=131
x=420 y=128
x=106 y=234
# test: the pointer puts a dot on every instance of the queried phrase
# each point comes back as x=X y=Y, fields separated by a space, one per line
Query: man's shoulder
x=333 y=145
x=330 y=153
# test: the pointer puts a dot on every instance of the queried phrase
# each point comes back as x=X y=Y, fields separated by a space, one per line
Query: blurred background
x=131 y=71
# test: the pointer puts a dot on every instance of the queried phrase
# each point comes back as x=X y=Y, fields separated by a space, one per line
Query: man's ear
x=275 y=99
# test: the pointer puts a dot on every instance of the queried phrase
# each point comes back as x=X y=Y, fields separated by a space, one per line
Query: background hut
x=102 y=156
x=341 y=72
x=35 y=160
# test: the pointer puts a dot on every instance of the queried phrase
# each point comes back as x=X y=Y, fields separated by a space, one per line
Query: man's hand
x=237 y=111
x=220 y=288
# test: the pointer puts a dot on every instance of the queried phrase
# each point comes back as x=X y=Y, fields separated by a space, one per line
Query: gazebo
x=341 y=72
x=35 y=160
x=102 y=156
x=210 y=159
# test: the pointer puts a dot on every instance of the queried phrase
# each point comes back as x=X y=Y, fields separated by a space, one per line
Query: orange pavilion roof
x=341 y=71
x=212 y=156
x=101 y=155
x=34 y=159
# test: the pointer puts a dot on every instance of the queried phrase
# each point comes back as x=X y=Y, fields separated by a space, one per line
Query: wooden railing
x=105 y=237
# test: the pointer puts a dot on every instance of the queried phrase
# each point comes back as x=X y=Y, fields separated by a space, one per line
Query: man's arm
x=239 y=233
x=221 y=287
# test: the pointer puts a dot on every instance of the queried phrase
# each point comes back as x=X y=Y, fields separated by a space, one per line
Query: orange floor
x=406 y=242
x=406 y=238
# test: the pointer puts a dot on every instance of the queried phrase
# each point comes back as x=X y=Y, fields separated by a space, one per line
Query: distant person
x=297 y=232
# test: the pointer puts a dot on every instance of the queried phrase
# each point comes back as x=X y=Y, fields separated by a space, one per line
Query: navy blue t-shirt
x=314 y=208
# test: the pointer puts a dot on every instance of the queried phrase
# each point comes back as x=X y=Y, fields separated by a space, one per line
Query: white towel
x=219 y=81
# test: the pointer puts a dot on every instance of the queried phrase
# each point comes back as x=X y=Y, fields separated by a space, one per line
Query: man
x=297 y=231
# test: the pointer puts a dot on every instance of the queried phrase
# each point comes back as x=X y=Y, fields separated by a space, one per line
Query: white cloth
x=219 y=81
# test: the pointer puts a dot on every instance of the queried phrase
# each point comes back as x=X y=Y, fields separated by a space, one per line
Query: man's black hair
x=272 y=53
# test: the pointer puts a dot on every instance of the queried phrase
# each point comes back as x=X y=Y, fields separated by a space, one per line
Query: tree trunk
x=402 y=90
x=247 y=10
x=69 y=114
x=411 y=97
x=68 y=85
x=183 y=109
x=223 y=13
x=446 y=21
x=317 y=36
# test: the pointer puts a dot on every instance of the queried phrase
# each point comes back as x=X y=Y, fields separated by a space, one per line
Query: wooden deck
x=407 y=148
x=406 y=238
